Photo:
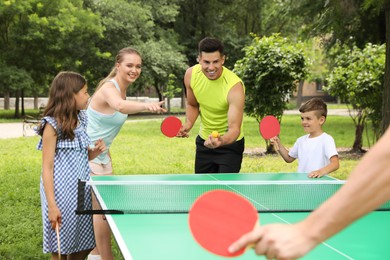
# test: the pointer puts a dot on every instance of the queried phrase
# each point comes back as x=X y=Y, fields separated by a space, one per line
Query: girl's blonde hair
x=118 y=59
x=62 y=104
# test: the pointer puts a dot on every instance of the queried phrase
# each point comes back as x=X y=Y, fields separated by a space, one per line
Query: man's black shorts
x=225 y=159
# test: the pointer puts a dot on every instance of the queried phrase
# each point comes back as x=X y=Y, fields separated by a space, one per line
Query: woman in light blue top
x=107 y=112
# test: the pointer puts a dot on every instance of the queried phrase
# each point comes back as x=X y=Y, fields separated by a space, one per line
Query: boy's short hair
x=210 y=44
x=315 y=104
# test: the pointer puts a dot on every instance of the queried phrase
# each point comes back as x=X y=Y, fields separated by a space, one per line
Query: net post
x=80 y=203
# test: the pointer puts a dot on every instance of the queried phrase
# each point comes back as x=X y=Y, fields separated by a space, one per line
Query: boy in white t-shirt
x=316 y=152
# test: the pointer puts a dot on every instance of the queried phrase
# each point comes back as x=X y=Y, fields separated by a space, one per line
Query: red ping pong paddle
x=269 y=127
x=171 y=126
x=218 y=218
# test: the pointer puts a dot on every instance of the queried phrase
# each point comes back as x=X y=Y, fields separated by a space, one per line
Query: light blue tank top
x=104 y=126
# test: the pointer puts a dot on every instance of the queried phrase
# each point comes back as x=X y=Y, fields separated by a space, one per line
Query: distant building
x=314 y=89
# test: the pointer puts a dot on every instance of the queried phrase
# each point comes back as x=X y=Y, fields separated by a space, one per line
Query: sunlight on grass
x=140 y=148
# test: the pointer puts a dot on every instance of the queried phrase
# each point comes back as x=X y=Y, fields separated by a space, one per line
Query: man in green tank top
x=217 y=95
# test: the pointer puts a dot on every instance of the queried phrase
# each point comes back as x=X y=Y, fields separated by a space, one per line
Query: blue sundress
x=70 y=165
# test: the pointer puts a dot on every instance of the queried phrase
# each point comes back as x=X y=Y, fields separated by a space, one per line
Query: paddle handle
x=58 y=240
x=275 y=144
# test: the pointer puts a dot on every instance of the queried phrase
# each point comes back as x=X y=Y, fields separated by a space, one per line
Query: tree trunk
x=386 y=85
x=270 y=149
x=358 y=143
x=22 y=102
x=17 y=96
x=183 y=97
x=160 y=96
x=6 y=100
x=169 y=105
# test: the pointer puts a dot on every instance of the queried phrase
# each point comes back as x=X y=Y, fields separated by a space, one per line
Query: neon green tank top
x=212 y=98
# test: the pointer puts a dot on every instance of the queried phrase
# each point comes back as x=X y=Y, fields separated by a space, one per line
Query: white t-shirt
x=313 y=153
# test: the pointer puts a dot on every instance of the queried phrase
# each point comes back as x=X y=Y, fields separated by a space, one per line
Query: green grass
x=140 y=148
x=8 y=116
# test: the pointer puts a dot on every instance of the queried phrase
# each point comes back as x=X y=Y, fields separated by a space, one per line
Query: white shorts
x=100 y=168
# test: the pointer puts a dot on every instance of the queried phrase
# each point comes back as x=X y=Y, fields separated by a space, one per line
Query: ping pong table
x=167 y=236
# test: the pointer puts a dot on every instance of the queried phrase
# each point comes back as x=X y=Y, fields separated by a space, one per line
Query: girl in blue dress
x=65 y=154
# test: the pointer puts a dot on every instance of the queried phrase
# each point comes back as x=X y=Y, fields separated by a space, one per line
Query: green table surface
x=167 y=236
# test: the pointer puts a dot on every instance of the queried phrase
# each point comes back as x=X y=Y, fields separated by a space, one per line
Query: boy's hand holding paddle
x=270 y=129
x=275 y=142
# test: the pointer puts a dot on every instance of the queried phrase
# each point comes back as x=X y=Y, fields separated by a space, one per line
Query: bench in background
x=29 y=122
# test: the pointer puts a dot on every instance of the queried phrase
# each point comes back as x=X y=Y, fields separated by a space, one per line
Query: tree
x=378 y=7
x=317 y=65
x=149 y=30
x=126 y=24
x=160 y=60
x=352 y=22
x=14 y=80
x=230 y=21
x=271 y=68
x=43 y=37
x=171 y=90
x=357 y=78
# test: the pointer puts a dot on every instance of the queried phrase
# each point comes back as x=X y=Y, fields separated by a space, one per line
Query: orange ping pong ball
x=214 y=134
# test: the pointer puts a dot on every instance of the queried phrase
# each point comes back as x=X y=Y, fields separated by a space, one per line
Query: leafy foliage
x=357 y=78
x=12 y=77
x=171 y=90
x=270 y=70
x=160 y=60
x=316 y=60
x=352 y=21
x=42 y=38
x=148 y=29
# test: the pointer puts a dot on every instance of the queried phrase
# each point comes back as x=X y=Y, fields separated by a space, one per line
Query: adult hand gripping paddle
x=269 y=127
x=171 y=126
x=218 y=218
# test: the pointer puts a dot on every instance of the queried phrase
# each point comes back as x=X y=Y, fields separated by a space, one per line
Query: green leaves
x=270 y=70
x=42 y=38
x=358 y=77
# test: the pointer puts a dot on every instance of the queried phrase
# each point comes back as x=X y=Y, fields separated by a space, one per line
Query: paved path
x=335 y=112
x=14 y=130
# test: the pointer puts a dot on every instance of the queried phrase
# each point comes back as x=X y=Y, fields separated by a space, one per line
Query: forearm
x=331 y=167
x=49 y=140
x=236 y=99
x=192 y=113
x=48 y=184
x=284 y=153
x=230 y=136
x=366 y=189
x=130 y=107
